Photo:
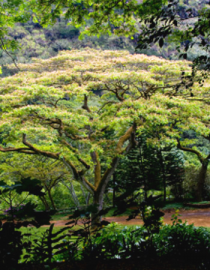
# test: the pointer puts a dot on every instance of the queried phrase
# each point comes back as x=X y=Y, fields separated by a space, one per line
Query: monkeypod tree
x=49 y=109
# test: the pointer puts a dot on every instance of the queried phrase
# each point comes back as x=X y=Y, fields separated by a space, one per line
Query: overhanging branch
x=30 y=150
x=200 y=157
x=82 y=161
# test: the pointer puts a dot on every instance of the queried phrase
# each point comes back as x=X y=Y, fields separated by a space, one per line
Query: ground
x=198 y=217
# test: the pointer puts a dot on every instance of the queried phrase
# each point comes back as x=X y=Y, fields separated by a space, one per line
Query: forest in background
x=38 y=42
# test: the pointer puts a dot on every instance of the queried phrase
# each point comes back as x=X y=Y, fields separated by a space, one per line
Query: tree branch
x=78 y=176
x=108 y=102
x=40 y=152
x=95 y=159
x=4 y=49
x=30 y=150
x=124 y=138
x=76 y=152
x=115 y=92
x=200 y=157
x=85 y=106
x=129 y=134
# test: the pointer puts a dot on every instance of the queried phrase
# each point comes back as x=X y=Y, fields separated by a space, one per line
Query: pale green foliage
x=134 y=88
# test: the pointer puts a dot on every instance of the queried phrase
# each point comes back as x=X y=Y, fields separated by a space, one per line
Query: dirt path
x=199 y=218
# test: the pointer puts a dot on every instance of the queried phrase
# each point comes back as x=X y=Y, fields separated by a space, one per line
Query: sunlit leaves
x=45 y=100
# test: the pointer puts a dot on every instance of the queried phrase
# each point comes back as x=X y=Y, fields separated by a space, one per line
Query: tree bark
x=201 y=181
x=114 y=189
x=163 y=175
x=72 y=192
x=98 y=202
x=51 y=199
x=44 y=201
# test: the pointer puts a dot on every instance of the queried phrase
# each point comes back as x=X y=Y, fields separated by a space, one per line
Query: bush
x=181 y=241
x=184 y=242
x=113 y=242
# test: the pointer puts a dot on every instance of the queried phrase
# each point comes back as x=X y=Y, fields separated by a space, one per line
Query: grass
x=65 y=215
x=61 y=216
x=203 y=202
x=174 y=205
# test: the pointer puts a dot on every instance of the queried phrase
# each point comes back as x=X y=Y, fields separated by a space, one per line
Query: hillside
x=44 y=43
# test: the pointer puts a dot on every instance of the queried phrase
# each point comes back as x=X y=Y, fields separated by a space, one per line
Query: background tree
x=204 y=160
x=50 y=173
x=151 y=169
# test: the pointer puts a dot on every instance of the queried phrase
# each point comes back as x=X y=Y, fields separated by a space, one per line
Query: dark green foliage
x=171 y=22
x=24 y=185
x=12 y=241
x=150 y=168
x=11 y=245
x=28 y=210
x=49 y=244
x=33 y=186
x=112 y=242
x=184 y=241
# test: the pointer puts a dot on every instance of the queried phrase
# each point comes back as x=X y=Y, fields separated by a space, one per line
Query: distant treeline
x=39 y=42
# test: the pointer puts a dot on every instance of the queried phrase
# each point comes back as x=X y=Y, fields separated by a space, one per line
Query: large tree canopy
x=85 y=107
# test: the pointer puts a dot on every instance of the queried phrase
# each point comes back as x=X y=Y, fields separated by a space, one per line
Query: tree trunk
x=72 y=192
x=87 y=199
x=114 y=190
x=44 y=201
x=51 y=199
x=98 y=202
x=86 y=196
x=163 y=175
x=201 y=181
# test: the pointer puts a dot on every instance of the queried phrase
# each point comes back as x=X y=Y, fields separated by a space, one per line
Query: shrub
x=113 y=242
x=186 y=242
